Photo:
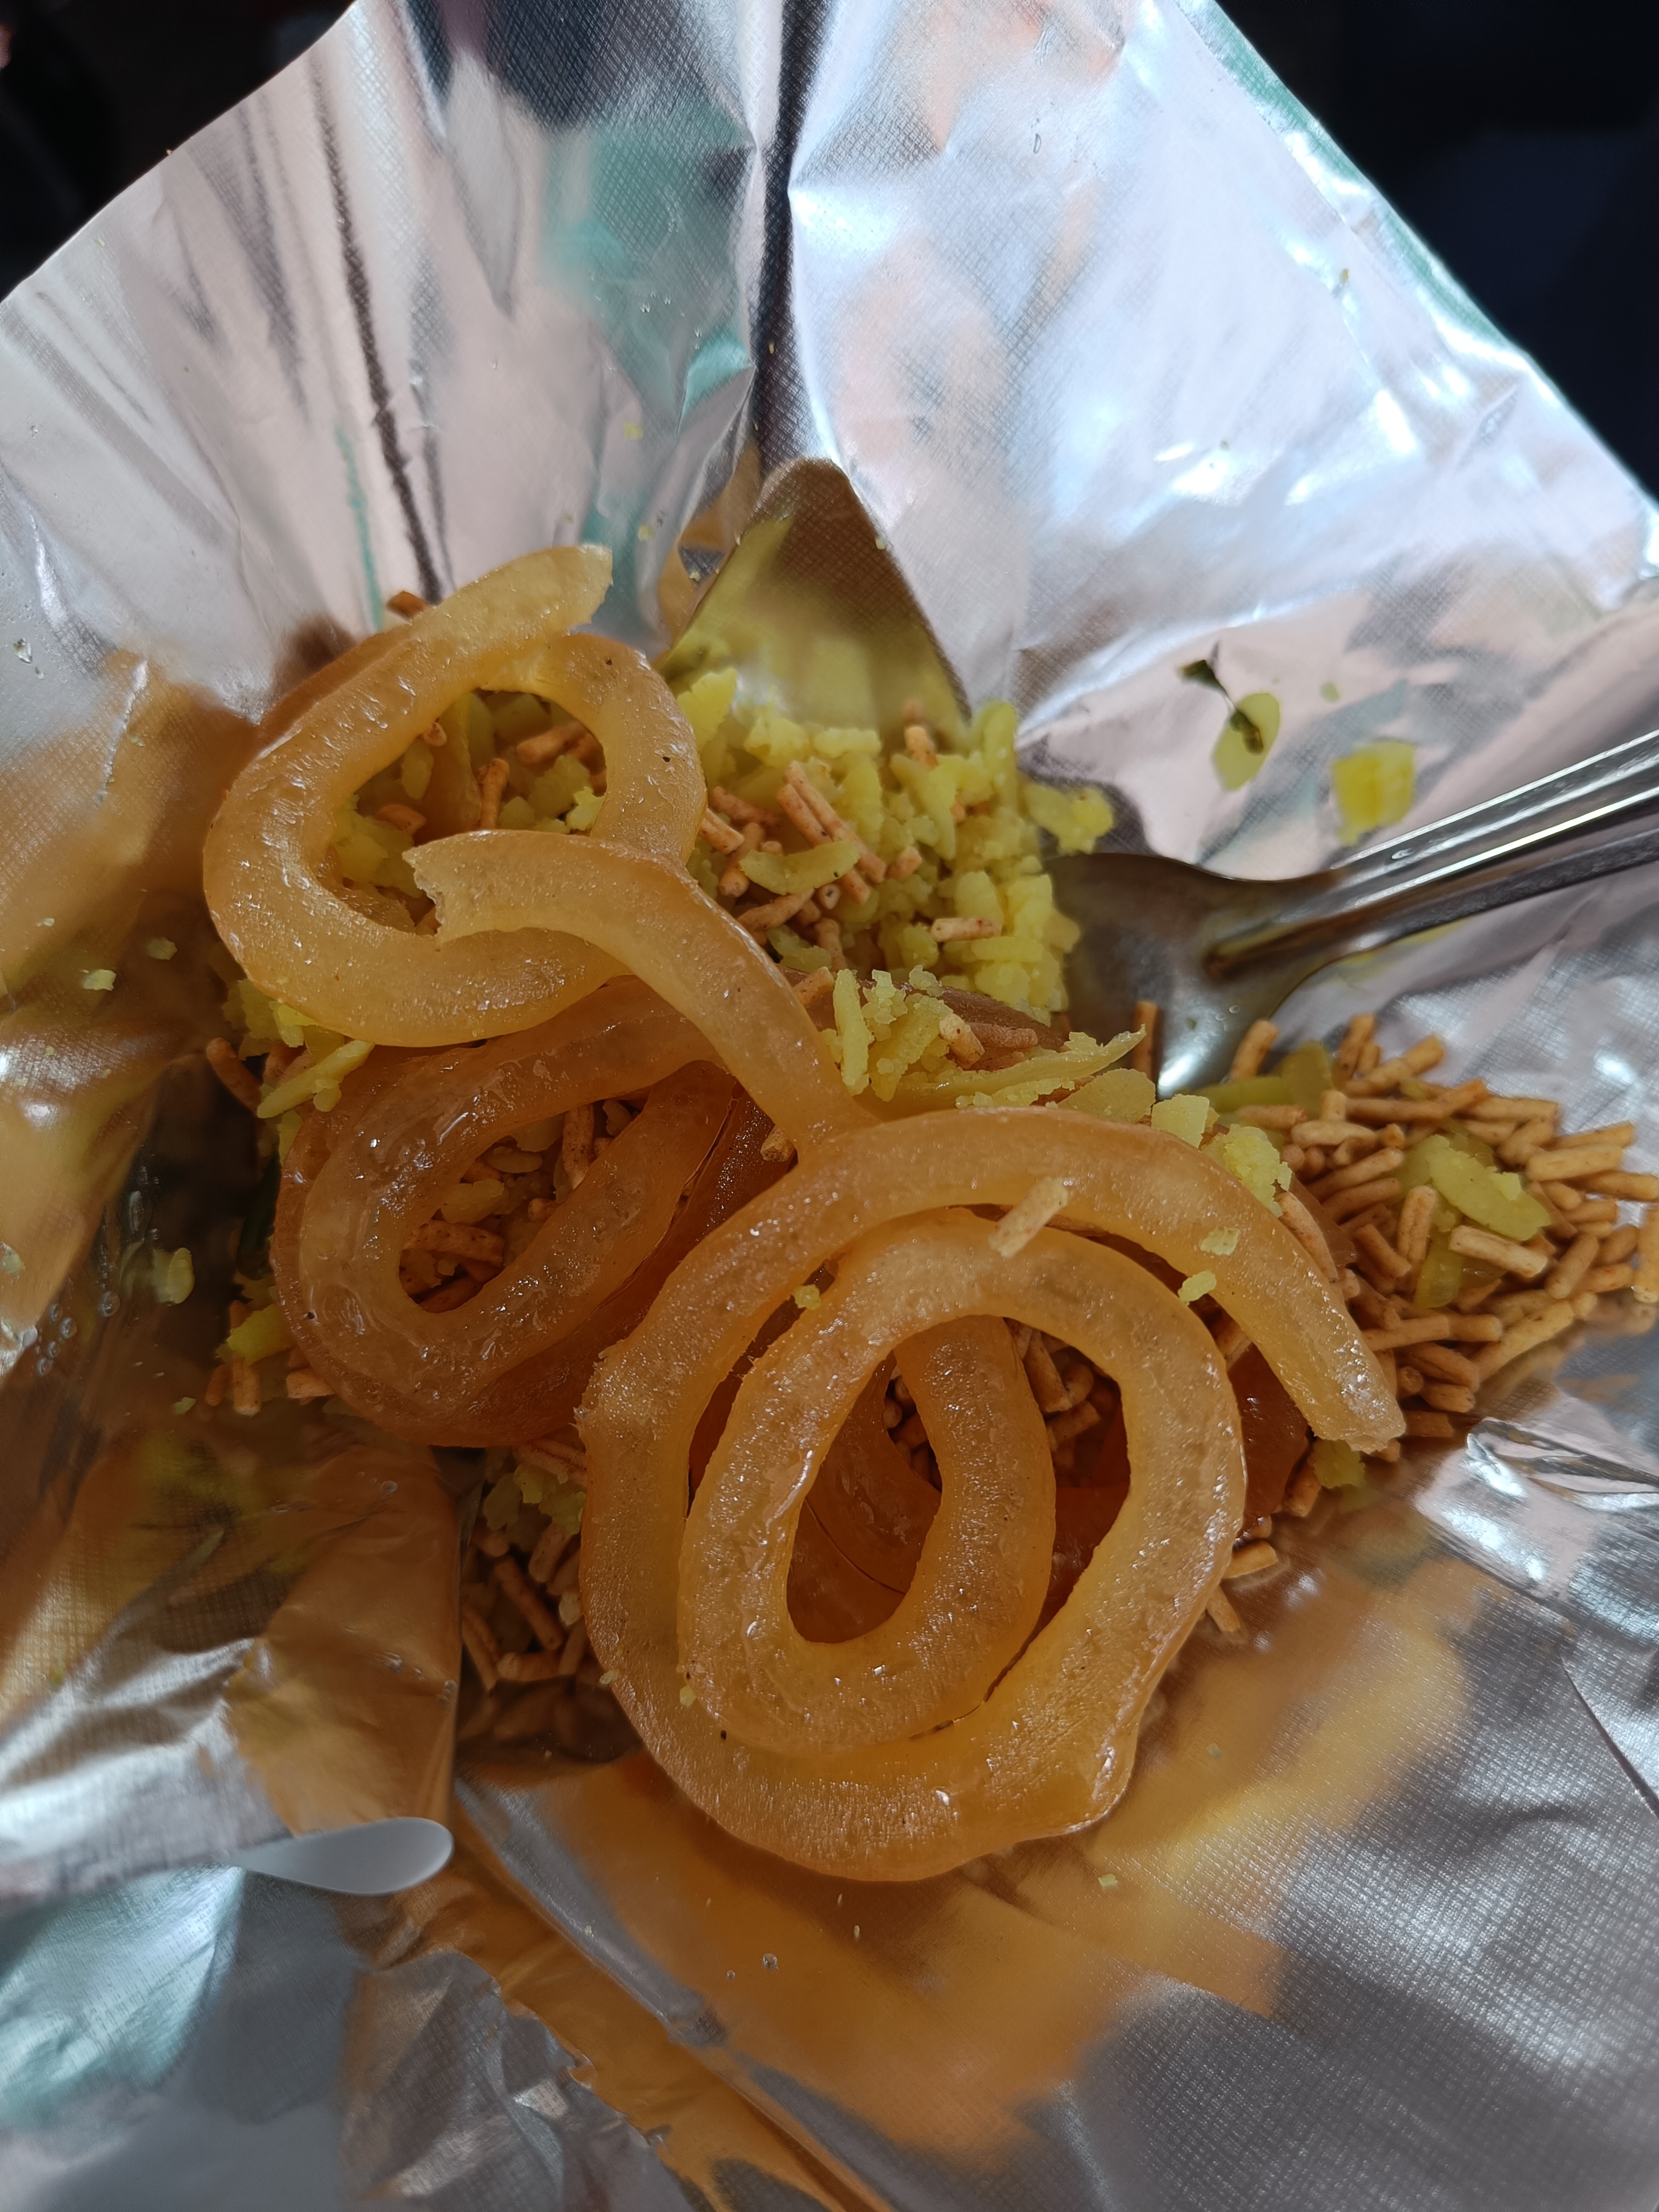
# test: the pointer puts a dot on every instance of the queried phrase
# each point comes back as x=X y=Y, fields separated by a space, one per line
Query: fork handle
x=1594 y=818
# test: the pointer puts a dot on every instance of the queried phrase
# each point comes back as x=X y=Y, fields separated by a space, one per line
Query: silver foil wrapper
x=1131 y=368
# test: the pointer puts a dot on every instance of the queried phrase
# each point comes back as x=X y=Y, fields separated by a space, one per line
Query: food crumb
x=1224 y=1242
x=1337 y=1466
x=1195 y=1287
x=98 y=978
x=1215 y=1751
x=688 y=1695
x=183 y=1405
x=1251 y=1158
x=1374 y=786
x=175 y=1276
x=1075 y=819
x=1109 y=1881
x=1186 y=1115
x=1044 y=1200
x=161 y=948
x=1246 y=741
x=806 y=1297
x=11 y=1260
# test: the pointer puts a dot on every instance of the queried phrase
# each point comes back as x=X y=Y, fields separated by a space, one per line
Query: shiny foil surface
x=1130 y=369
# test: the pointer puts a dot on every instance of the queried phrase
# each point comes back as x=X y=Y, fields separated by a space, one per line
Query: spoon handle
x=1594 y=819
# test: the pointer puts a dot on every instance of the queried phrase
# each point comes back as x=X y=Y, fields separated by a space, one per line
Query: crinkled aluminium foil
x=1131 y=369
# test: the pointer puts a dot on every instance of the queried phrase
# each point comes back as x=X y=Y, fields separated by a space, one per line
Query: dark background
x=95 y=92
x=1520 y=136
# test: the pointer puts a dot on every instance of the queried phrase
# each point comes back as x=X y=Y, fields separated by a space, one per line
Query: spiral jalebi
x=960 y=1723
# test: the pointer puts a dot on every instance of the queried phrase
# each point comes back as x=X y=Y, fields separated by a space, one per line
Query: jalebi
x=839 y=1663
x=339 y=1271
x=264 y=869
x=822 y=1755
x=650 y=917
x=983 y=1570
x=1050 y=1746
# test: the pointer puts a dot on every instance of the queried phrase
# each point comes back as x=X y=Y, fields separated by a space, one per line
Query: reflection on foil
x=1553 y=1510
x=1129 y=368
x=1347 y=1907
x=209 y=2039
x=140 y=1738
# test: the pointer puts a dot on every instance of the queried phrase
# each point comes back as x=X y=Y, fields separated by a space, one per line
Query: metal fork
x=1218 y=952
